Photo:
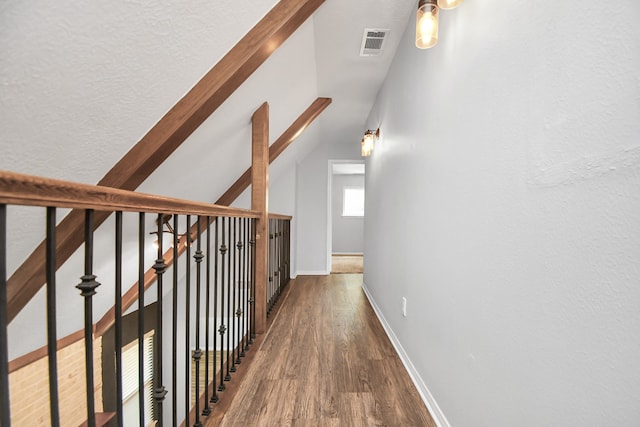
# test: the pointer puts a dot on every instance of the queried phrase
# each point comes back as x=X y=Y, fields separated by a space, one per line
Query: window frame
x=352 y=213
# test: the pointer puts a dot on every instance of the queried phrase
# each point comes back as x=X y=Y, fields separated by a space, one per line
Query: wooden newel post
x=259 y=201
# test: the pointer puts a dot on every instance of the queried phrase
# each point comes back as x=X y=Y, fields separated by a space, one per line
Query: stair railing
x=211 y=302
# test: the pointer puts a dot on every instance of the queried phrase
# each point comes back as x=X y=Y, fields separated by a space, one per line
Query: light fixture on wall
x=166 y=228
x=427 y=20
x=449 y=4
x=427 y=24
x=368 y=141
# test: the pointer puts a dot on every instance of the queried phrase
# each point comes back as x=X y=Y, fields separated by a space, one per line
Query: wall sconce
x=368 y=141
x=427 y=20
x=449 y=4
x=166 y=218
x=427 y=24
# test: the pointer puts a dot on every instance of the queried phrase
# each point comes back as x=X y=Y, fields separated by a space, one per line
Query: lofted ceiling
x=81 y=82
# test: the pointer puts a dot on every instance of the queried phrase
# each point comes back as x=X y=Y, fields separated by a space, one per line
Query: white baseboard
x=312 y=273
x=427 y=397
x=348 y=253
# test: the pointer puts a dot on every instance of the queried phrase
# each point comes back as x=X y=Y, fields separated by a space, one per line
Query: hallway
x=327 y=361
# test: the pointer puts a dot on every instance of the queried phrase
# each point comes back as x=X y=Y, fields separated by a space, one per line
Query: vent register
x=373 y=41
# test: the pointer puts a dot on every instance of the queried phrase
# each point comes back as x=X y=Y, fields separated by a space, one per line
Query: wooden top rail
x=280 y=216
x=20 y=189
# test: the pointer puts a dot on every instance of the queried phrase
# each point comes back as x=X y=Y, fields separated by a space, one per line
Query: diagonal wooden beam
x=167 y=135
x=228 y=197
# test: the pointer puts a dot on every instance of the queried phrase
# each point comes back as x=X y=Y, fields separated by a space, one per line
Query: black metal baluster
x=5 y=408
x=52 y=339
x=229 y=309
x=174 y=327
x=223 y=328
x=288 y=240
x=87 y=289
x=198 y=352
x=118 y=322
x=276 y=258
x=159 y=391
x=274 y=296
x=280 y=257
x=233 y=312
x=239 y=246
x=244 y=298
x=270 y=268
x=252 y=285
x=276 y=244
x=276 y=284
x=141 y=237
x=247 y=282
x=207 y=408
x=187 y=359
x=214 y=397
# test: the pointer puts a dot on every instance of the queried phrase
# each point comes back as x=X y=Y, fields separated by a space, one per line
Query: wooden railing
x=212 y=302
x=279 y=270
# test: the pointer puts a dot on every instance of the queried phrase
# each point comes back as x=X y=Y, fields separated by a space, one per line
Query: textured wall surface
x=504 y=204
x=80 y=83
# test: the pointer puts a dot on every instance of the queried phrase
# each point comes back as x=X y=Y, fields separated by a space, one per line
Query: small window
x=353 y=201
x=130 y=391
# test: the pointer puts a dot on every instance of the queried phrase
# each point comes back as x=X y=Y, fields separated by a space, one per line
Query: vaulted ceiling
x=82 y=83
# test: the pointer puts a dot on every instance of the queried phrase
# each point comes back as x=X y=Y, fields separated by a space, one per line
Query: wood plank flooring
x=346 y=264
x=326 y=361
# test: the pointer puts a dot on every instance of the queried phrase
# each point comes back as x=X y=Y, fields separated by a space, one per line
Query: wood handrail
x=29 y=190
x=280 y=216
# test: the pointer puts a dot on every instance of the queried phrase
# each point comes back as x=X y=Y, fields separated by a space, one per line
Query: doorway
x=345 y=234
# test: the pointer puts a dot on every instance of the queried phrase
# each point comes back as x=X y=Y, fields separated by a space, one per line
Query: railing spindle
x=280 y=253
x=141 y=240
x=214 y=397
x=87 y=289
x=52 y=339
x=174 y=327
x=5 y=408
x=118 y=319
x=276 y=281
x=207 y=408
x=237 y=284
x=252 y=286
x=234 y=314
x=187 y=359
x=159 y=391
x=244 y=299
x=269 y=266
x=198 y=352
x=229 y=309
x=223 y=328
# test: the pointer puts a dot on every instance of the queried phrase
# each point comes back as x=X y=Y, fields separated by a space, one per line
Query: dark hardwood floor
x=326 y=361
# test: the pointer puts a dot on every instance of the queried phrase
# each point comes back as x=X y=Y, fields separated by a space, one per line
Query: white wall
x=80 y=84
x=311 y=204
x=504 y=203
x=347 y=232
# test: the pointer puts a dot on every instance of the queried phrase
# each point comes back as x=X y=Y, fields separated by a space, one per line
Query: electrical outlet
x=404 y=307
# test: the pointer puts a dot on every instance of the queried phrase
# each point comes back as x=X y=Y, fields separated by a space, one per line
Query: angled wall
x=81 y=85
x=504 y=204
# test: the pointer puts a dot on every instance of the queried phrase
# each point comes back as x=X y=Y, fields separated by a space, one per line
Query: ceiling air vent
x=373 y=41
